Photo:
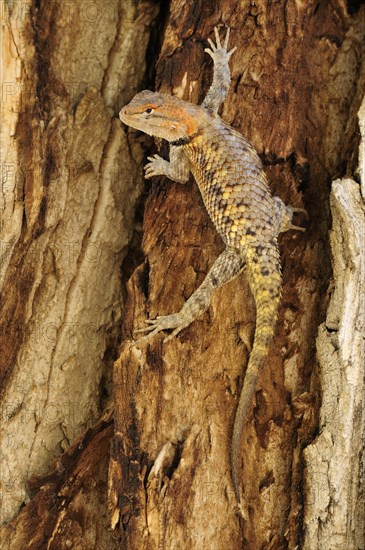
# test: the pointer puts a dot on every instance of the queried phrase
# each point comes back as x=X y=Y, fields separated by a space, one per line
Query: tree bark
x=70 y=187
x=77 y=281
x=335 y=484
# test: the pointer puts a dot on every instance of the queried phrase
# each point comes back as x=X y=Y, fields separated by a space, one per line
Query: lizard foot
x=285 y=215
x=219 y=52
x=156 y=167
x=164 y=322
x=301 y=210
x=291 y=211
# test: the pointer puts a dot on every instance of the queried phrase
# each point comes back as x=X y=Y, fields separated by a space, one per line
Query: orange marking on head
x=182 y=116
x=142 y=108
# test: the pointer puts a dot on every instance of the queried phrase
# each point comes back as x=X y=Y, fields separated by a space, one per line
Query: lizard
x=235 y=192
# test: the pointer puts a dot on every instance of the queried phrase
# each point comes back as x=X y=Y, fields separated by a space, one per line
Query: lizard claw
x=285 y=215
x=293 y=210
x=300 y=210
x=226 y=40
x=219 y=51
x=164 y=322
x=156 y=167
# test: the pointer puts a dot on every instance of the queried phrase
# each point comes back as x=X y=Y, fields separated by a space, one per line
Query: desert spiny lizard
x=234 y=188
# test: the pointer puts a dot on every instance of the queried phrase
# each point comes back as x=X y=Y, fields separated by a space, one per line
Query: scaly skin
x=233 y=185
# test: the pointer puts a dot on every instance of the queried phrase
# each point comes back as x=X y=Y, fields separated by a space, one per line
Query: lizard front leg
x=177 y=169
x=219 y=88
x=227 y=265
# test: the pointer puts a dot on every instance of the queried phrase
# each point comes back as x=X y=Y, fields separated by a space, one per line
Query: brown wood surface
x=181 y=396
x=76 y=279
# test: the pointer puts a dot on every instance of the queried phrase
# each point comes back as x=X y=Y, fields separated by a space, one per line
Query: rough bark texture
x=72 y=188
x=335 y=481
x=298 y=78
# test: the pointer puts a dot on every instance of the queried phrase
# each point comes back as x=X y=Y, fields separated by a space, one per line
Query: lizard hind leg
x=226 y=266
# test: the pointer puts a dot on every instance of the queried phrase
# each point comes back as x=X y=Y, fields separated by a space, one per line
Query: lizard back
x=233 y=184
x=235 y=192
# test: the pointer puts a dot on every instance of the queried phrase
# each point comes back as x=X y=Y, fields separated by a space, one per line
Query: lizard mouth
x=123 y=115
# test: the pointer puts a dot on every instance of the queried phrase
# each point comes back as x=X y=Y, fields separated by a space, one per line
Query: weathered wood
x=71 y=182
x=289 y=99
x=70 y=228
x=335 y=484
x=69 y=509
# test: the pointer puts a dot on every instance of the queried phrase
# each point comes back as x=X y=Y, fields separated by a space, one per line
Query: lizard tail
x=265 y=282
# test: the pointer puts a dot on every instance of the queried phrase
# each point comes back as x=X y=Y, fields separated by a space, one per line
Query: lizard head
x=160 y=115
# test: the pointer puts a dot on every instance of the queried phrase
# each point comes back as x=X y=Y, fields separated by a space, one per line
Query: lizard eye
x=149 y=110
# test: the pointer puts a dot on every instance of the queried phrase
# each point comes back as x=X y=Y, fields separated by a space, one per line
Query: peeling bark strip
x=335 y=505
x=335 y=463
x=71 y=181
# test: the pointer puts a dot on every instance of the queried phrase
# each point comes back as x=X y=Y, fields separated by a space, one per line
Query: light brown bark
x=71 y=207
x=71 y=183
x=335 y=484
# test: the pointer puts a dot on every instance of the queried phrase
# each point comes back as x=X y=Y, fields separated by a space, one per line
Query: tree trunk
x=71 y=186
x=76 y=282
